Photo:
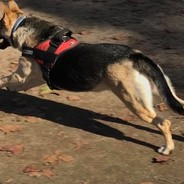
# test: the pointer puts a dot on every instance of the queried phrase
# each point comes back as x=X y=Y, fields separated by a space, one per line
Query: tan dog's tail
x=154 y=72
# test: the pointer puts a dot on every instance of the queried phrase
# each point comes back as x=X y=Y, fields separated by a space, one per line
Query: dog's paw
x=165 y=150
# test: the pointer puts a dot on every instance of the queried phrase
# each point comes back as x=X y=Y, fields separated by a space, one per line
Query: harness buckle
x=65 y=38
x=27 y=52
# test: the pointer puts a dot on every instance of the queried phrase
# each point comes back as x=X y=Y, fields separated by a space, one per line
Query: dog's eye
x=1 y=24
x=2 y=21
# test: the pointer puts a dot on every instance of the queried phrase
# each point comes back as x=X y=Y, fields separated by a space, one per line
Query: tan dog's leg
x=165 y=127
x=27 y=75
x=135 y=91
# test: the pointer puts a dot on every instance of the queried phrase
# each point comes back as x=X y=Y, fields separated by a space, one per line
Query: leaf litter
x=15 y=149
x=52 y=159
x=34 y=171
x=56 y=157
x=7 y=128
x=161 y=159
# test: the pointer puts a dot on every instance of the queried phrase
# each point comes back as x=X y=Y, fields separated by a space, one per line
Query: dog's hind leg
x=135 y=91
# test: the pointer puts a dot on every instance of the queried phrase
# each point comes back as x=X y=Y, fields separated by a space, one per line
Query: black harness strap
x=45 y=56
x=58 y=38
x=39 y=54
x=48 y=57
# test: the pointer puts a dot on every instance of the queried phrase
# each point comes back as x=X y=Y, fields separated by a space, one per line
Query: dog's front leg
x=27 y=75
x=18 y=77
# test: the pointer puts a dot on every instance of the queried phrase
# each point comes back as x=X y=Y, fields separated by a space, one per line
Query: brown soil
x=90 y=138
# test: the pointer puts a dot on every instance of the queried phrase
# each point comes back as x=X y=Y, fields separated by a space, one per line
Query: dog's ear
x=4 y=8
x=14 y=7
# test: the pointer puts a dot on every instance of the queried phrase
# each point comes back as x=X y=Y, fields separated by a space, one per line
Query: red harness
x=64 y=46
x=46 y=54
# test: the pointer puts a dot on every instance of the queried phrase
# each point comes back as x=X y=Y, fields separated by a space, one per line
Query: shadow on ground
x=26 y=105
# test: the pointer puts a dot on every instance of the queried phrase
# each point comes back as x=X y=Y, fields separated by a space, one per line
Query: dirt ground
x=92 y=138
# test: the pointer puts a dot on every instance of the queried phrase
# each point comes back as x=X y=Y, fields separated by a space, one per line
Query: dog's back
x=83 y=67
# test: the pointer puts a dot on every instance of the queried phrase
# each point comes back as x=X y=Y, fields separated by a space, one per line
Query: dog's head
x=8 y=16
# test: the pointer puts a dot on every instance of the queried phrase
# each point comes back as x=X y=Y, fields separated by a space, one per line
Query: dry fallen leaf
x=56 y=157
x=51 y=159
x=34 y=171
x=72 y=98
x=44 y=90
x=15 y=149
x=30 y=168
x=48 y=173
x=32 y=119
x=10 y=128
x=162 y=107
x=161 y=159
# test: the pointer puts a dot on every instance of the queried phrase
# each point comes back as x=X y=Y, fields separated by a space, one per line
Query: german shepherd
x=128 y=73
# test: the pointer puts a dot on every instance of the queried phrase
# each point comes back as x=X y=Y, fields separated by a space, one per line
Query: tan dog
x=83 y=67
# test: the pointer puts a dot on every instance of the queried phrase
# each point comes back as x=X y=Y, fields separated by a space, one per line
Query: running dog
x=50 y=54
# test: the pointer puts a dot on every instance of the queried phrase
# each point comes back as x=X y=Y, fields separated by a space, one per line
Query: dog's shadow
x=26 y=105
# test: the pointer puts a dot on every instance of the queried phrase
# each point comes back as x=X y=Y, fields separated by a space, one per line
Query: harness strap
x=56 y=42
x=39 y=54
x=46 y=53
x=48 y=59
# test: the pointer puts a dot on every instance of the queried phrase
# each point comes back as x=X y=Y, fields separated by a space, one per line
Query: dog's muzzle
x=4 y=44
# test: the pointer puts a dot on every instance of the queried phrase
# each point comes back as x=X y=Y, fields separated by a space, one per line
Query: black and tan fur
x=91 y=67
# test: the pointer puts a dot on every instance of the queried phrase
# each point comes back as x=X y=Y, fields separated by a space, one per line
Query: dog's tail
x=154 y=72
